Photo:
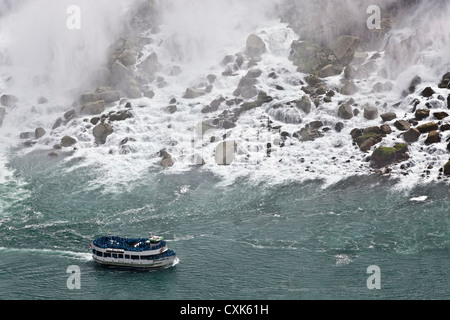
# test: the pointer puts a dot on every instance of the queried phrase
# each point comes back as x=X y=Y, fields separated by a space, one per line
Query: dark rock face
x=384 y=156
x=102 y=131
x=8 y=100
x=67 y=141
x=412 y=135
x=255 y=46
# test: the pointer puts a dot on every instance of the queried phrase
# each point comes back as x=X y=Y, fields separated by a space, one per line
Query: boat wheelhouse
x=151 y=252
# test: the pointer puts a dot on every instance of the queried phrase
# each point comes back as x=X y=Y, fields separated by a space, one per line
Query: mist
x=46 y=58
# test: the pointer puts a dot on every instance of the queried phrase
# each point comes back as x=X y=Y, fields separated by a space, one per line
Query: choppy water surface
x=242 y=241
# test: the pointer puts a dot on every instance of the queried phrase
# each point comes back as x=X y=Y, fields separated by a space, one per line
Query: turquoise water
x=244 y=241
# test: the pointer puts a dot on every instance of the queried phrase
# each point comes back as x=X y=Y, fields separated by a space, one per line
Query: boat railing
x=128 y=244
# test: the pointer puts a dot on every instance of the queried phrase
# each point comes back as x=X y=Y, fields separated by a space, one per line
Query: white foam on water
x=195 y=36
x=84 y=256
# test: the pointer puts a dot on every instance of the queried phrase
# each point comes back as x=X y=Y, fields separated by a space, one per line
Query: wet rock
x=151 y=65
x=384 y=156
x=329 y=71
x=433 y=137
x=39 y=132
x=57 y=123
x=304 y=104
x=67 y=141
x=149 y=94
x=370 y=113
x=93 y=108
x=69 y=115
x=102 y=131
x=120 y=115
x=445 y=127
x=339 y=127
x=8 y=100
x=167 y=160
x=42 y=100
x=345 y=112
x=350 y=72
x=349 y=89
x=26 y=135
x=422 y=114
x=254 y=73
x=107 y=94
x=171 y=109
x=313 y=58
x=255 y=46
x=440 y=115
x=386 y=129
x=428 y=127
x=367 y=140
x=192 y=93
x=445 y=81
x=412 y=135
x=402 y=125
x=388 y=116
x=427 y=92
x=344 y=48
x=447 y=169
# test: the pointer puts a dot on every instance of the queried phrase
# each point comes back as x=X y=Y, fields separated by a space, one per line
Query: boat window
x=120 y=256
x=98 y=253
x=107 y=255
x=127 y=256
x=134 y=257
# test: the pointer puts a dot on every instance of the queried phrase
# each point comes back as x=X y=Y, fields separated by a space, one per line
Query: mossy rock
x=428 y=127
x=368 y=140
x=385 y=156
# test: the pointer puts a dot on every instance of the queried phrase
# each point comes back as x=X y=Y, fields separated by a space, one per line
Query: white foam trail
x=419 y=199
x=84 y=256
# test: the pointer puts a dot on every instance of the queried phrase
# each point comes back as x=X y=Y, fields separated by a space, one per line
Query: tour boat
x=151 y=252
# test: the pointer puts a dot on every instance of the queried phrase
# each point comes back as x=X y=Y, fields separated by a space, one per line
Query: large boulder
x=388 y=116
x=344 y=48
x=370 y=113
x=345 y=112
x=107 y=94
x=39 y=132
x=422 y=114
x=313 y=58
x=255 y=46
x=402 y=125
x=93 y=108
x=151 y=64
x=167 y=160
x=433 y=137
x=412 y=135
x=8 y=100
x=304 y=104
x=349 y=89
x=102 y=131
x=192 y=93
x=428 y=127
x=367 y=140
x=384 y=156
x=67 y=141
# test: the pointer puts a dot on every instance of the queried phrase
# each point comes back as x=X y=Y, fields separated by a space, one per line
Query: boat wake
x=83 y=256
